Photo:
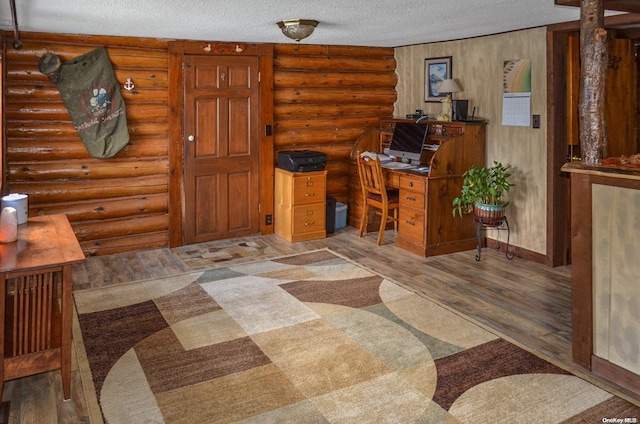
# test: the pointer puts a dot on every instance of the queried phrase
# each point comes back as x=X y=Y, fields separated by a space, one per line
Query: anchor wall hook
x=129 y=85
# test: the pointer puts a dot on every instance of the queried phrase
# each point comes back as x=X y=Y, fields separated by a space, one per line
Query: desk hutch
x=427 y=226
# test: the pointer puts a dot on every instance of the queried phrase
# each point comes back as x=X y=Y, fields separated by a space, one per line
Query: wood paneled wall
x=325 y=97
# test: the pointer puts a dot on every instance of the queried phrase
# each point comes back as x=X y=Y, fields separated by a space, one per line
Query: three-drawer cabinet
x=300 y=210
x=412 y=212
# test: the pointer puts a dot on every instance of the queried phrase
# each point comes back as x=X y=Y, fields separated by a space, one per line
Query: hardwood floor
x=527 y=303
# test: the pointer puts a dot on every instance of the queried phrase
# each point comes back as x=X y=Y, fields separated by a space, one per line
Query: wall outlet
x=536 y=121
x=268 y=219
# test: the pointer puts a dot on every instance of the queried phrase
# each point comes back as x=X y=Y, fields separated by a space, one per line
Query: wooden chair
x=376 y=195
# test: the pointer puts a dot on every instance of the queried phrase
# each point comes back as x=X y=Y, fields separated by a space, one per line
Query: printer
x=301 y=160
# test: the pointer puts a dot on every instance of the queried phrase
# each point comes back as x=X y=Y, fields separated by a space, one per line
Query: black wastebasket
x=331 y=215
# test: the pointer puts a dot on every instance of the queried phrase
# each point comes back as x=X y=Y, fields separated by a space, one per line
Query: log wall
x=325 y=97
x=114 y=204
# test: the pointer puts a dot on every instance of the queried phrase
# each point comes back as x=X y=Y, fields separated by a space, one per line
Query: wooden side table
x=35 y=295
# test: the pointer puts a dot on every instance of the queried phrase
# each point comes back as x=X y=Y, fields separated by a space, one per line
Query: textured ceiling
x=384 y=23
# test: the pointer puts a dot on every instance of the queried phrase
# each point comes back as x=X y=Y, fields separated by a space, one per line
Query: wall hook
x=129 y=85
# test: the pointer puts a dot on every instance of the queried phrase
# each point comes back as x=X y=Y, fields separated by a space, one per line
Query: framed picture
x=436 y=70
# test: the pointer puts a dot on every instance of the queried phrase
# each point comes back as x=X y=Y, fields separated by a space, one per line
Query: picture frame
x=436 y=69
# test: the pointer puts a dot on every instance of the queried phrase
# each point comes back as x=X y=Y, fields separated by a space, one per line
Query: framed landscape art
x=436 y=70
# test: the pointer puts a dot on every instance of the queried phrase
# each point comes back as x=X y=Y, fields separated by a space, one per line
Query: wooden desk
x=426 y=225
x=35 y=294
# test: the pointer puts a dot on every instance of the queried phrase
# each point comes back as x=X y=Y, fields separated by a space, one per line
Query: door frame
x=558 y=223
x=177 y=50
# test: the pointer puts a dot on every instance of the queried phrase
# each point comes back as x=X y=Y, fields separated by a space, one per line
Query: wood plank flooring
x=525 y=302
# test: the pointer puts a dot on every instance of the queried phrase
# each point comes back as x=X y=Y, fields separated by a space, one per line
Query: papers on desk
x=397 y=165
x=383 y=158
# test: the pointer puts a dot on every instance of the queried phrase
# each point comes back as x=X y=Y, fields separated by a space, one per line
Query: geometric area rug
x=309 y=338
x=217 y=253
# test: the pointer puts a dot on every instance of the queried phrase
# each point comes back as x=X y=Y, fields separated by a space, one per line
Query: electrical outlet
x=268 y=219
x=536 y=121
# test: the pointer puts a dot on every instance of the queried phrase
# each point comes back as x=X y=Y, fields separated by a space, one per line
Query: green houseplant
x=483 y=191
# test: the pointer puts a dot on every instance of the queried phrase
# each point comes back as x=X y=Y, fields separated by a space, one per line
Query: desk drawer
x=309 y=218
x=308 y=189
x=411 y=225
x=392 y=179
x=387 y=126
x=409 y=182
x=412 y=199
x=354 y=181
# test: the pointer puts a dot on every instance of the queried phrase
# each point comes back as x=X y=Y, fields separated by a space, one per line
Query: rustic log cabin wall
x=114 y=204
x=325 y=97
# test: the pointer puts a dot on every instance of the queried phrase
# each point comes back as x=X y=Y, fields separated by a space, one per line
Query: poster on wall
x=516 y=97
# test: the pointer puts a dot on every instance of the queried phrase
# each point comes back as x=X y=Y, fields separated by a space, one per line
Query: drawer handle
x=411 y=222
x=309 y=194
x=410 y=183
x=412 y=199
x=306 y=224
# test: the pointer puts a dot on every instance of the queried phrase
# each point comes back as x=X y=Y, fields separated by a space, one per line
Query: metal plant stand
x=492 y=224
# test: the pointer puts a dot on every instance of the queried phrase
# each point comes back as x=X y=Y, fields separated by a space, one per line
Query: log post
x=594 y=58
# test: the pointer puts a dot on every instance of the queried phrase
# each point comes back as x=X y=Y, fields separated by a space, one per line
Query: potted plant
x=483 y=192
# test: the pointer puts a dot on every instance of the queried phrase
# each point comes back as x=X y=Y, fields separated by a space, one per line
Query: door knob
x=191 y=138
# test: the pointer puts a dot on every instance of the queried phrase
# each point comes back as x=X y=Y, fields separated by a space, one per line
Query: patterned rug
x=309 y=338
x=216 y=253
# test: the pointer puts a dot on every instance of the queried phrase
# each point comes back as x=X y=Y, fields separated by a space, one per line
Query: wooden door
x=221 y=155
x=621 y=97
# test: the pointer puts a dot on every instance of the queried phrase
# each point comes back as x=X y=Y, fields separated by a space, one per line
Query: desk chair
x=376 y=195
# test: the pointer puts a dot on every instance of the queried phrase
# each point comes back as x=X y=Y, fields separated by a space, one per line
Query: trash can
x=331 y=215
x=341 y=215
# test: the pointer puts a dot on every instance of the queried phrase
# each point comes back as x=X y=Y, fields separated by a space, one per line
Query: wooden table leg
x=3 y=302
x=65 y=347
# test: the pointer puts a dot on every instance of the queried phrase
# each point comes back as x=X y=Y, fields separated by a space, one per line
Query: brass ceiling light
x=297 y=29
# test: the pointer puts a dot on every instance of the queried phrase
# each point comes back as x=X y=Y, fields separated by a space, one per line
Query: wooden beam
x=593 y=73
x=632 y=6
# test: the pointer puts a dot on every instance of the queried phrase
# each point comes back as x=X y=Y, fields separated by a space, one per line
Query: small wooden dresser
x=300 y=212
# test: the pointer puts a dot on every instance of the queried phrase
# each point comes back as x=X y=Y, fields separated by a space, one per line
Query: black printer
x=301 y=160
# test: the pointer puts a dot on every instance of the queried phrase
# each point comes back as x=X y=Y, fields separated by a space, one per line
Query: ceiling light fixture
x=297 y=29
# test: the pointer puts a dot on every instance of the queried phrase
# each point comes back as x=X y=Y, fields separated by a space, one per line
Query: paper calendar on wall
x=516 y=98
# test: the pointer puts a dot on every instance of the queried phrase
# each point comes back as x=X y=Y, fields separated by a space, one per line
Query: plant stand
x=495 y=224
